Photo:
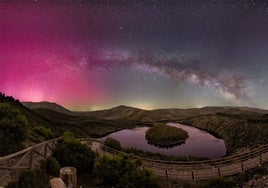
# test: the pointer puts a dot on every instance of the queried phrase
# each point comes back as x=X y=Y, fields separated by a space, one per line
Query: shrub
x=70 y=152
x=51 y=166
x=121 y=171
x=112 y=143
x=42 y=131
x=219 y=183
x=33 y=179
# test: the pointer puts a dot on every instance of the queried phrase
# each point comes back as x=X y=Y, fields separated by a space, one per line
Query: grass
x=159 y=156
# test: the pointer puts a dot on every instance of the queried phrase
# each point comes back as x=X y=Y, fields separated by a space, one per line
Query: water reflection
x=199 y=143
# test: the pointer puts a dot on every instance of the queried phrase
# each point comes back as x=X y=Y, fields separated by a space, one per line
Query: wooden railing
x=29 y=158
x=195 y=170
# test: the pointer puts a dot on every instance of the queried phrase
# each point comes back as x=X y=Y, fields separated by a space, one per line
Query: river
x=199 y=144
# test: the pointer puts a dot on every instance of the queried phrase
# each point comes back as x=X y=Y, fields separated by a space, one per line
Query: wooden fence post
x=242 y=166
x=52 y=146
x=260 y=160
x=166 y=175
x=193 y=175
x=45 y=150
x=219 y=172
x=31 y=159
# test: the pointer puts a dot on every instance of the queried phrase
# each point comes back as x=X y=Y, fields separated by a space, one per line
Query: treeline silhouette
x=4 y=98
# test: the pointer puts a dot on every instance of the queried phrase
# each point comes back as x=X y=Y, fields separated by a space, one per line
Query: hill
x=238 y=126
x=48 y=105
x=242 y=130
x=138 y=115
x=21 y=127
x=81 y=125
x=119 y=113
x=131 y=114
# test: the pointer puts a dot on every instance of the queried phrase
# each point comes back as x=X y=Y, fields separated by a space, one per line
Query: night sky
x=88 y=55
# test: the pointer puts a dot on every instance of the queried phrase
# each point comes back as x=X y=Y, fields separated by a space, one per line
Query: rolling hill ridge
x=238 y=126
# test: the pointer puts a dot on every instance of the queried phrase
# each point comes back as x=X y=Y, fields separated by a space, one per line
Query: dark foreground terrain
x=25 y=124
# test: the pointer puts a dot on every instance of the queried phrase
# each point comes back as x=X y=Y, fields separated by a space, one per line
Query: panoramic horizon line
x=105 y=108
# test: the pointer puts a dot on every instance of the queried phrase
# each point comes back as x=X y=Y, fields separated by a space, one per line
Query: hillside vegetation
x=13 y=126
x=21 y=127
x=238 y=126
x=82 y=125
x=237 y=130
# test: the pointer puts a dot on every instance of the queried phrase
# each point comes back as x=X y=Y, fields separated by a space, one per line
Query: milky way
x=89 y=55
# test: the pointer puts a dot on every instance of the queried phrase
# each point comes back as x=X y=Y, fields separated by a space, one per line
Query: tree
x=42 y=131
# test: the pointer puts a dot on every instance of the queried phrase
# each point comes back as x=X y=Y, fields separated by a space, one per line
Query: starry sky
x=88 y=55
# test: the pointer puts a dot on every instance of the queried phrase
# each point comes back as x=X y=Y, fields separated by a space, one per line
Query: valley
x=240 y=128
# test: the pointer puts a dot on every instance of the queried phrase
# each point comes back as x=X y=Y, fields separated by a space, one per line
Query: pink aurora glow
x=38 y=60
x=45 y=72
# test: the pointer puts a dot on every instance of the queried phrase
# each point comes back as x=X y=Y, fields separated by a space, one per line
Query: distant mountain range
x=127 y=113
